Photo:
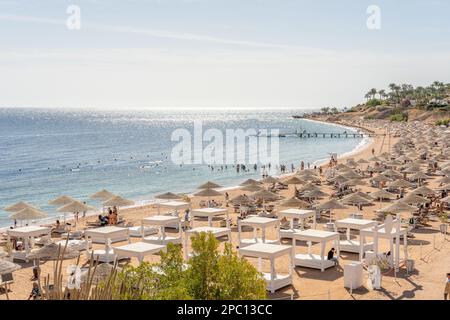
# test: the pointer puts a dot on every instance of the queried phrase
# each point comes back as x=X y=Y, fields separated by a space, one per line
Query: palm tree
x=373 y=92
x=382 y=94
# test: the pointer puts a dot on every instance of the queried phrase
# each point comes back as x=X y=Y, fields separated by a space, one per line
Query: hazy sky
x=216 y=53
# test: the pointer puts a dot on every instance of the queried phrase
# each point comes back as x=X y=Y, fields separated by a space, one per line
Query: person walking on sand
x=447 y=287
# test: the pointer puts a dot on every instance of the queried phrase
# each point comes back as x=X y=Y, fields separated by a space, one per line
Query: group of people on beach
x=111 y=218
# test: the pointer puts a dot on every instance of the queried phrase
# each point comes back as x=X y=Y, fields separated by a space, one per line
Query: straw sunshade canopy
x=419 y=176
x=208 y=193
x=252 y=188
x=75 y=206
x=375 y=159
x=61 y=201
x=28 y=214
x=398 y=207
x=210 y=185
x=98 y=273
x=315 y=194
x=339 y=179
x=331 y=205
x=54 y=252
x=414 y=199
x=294 y=203
x=342 y=167
x=294 y=180
x=380 y=178
x=403 y=158
x=102 y=195
x=400 y=183
x=354 y=182
x=392 y=173
x=355 y=199
x=308 y=187
x=270 y=179
x=351 y=175
x=249 y=181
x=168 y=196
x=362 y=161
x=8 y=267
x=412 y=170
x=18 y=206
x=241 y=199
x=423 y=191
x=118 y=201
x=266 y=195
x=382 y=194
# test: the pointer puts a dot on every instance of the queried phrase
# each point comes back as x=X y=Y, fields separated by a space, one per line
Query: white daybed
x=290 y=215
x=258 y=223
x=353 y=245
x=268 y=251
x=162 y=222
x=316 y=261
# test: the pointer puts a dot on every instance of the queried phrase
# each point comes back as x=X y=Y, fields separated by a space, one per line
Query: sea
x=45 y=153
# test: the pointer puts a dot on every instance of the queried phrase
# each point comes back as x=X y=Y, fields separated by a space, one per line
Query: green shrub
x=397 y=117
x=207 y=275
x=373 y=103
x=444 y=122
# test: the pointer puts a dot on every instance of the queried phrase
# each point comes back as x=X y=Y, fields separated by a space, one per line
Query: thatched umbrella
x=266 y=195
x=250 y=181
x=392 y=173
x=382 y=194
x=380 y=178
x=241 y=200
x=168 y=196
x=338 y=179
x=61 y=201
x=53 y=252
x=362 y=161
x=8 y=267
x=294 y=203
x=102 y=195
x=208 y=193
x=354 y=182
x=209 y=185
x=351 y=175
x=315 y=193
x=252 y=188
x=294 y=180
x=374 y=159
x=400 y=183
x=74 y=206
x=355 y=199
x=271 y=179
x=424 y=191
x=331 y=205
x=308 y=187
x=28 y=214
x=118 y=201
x=398 y=207
x=99 y=273
x=414 y=199
x=18 y=206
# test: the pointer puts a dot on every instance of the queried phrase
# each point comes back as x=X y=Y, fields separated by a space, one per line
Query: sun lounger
x=137 y=231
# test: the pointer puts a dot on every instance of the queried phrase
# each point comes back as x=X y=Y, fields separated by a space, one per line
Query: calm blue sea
x=47 y=153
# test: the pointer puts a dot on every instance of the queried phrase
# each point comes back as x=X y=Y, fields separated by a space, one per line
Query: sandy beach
x=428 y=248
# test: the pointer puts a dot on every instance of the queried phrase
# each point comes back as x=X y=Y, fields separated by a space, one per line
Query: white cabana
x=274 y=280
x=162 y=222
x=210 y=213
x=258 y=223
x=290 y=215
x=390 y=230
x=350 y=245
x=27 y=234
x=311 y=260
x=106 y=235
x=172 y=208
x=138 y=250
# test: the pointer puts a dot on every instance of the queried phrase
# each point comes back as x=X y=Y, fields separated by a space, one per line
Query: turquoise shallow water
x=47 y=153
